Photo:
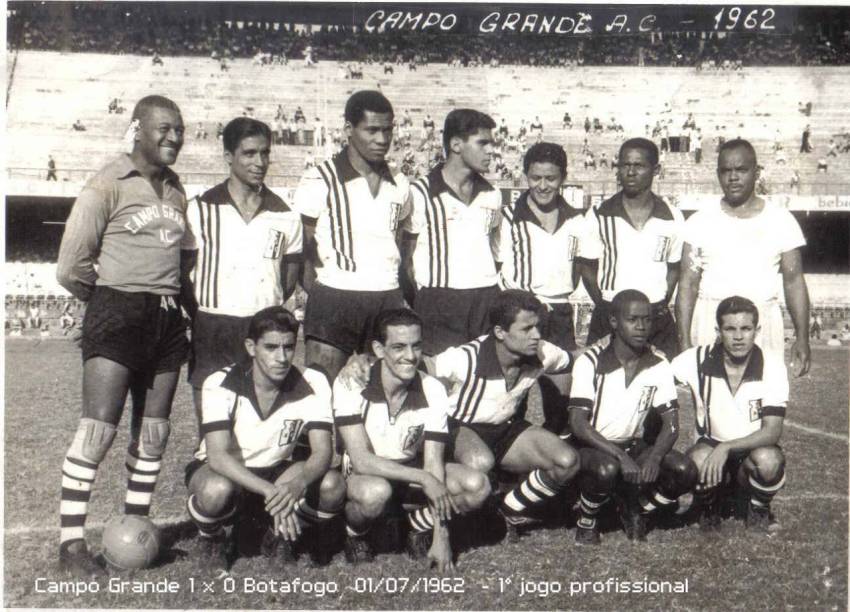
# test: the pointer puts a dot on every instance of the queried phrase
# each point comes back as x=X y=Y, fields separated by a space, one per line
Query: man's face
x=372 y=136
x=523 y=336
x=476 y=150
x=636 y=172
x=633 y=324
x=544 y=181
x=250 y=161
x=737 y=333
x=160 y=136
x=402 y=351
x=272 y=354
x=737 y=172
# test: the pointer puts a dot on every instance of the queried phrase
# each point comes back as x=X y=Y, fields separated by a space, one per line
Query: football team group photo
x=426 y=307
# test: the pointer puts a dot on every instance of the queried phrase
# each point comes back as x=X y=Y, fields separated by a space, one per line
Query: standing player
x=395 y=433
x=615 y=389
x=633 y=242
x=540 y=236
x=740 y=394
x=739 y=248
x=451 y=238
x=129 y=222
x=244 y=247
x=352 y=206
x=489 y=380
x=252 y=417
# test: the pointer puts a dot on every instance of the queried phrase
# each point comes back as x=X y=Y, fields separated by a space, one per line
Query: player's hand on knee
x=439 y=497
x=650 y=468
x=293 y=488
x=629 y=469
x=355 y=373
x=711 y=471
x=287 y=526
x=279 y=500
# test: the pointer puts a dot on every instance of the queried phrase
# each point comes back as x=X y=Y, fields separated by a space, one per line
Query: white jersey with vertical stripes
x=631 y=258
x=230 y=404
x=238 y=269
x=741 y=256
x=478 y=390
x=457 y=243
x=355 y=231
x=719 y=414
x=535 y=260
x=615 y=410
x=422 y=417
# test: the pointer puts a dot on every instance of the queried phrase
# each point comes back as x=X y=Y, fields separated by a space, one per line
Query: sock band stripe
x=81 y=463
x=767 y=488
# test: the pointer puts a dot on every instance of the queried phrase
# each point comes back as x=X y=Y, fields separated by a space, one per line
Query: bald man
x=121 y=255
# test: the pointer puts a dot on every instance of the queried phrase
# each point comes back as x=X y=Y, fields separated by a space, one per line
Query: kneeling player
x=252 y=417
x=395 y=430
x=740 y=394
x=614 y=389
x=489 y=380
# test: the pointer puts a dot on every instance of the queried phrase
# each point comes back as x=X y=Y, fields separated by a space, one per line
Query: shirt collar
x=488 y=365
x=608 y=362
x=220 y=194
x=292 y=388
x=347 y=172
x=437 y=184
x=613 y=207
x=126 y=169
x=374 y=390
x=713 y=364
x=523 y=212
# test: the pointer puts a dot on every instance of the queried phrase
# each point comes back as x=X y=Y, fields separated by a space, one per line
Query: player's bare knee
x=154 y=436
x=215 y=493
x=332 y=489
x=476 y=489
x=92 y=440
x=605 y=473
x=479 y=460
x=565 y=464
x=769 y=463
x=372 y=497
x=684 y=471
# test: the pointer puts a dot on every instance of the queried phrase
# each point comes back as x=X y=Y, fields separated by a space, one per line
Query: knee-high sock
x=77 y=480
x=535 y=489
x=143 y=471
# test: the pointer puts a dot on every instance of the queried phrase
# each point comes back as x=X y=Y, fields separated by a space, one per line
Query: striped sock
x=589 y=506
x=533 y=490
x=654 y=500
x=309 y=516
x=761 y=494
x=143 y=471
x=208 y=526
x=421 y=519
x=77 y=480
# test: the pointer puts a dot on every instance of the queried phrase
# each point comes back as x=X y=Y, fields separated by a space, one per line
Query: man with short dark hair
x=740 y=248
x=352 y=206
x=243 y=250
x=120 y=254
x=394 y=430
x=619 y=394
x=451 y=239
x=253 y=415
x=740 y=395
x=633 y=241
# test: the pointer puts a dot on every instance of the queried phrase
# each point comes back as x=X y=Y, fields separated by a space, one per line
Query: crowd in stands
x=138 y=29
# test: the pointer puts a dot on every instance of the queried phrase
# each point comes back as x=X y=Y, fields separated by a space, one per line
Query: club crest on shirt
x=273 y=244
x=289 y=432
x=755 y=410
x=395 y=213
x=647 y=394
x=414 y=434
x=661 y=246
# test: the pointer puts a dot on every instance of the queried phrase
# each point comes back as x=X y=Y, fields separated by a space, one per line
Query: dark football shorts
x=144 y=332
x=346 y=319
x=217 y=341
x=498 y=437
x=557 y=327
x=663 y=336
x=452 y=317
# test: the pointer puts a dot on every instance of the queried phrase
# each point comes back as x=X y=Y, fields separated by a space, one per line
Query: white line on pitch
x=812 y=496
x=817 y=432
x=166 y=521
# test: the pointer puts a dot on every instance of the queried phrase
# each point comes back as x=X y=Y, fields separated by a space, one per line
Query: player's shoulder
x=317 y=381
x=105 y=178
x=432 y=387
x=590 y=356
x=774 y=366
x=317 y=173
x=215 y=381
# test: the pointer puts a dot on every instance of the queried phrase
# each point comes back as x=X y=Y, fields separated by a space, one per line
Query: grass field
x=803 y=567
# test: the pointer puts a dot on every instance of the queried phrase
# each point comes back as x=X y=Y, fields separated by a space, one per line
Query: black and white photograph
x=426 y=306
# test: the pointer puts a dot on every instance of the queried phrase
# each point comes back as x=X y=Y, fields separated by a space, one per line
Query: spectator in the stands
x=51 y=169
x=78 y=126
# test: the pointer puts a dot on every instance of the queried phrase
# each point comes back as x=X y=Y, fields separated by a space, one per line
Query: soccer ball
x=130 y=542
